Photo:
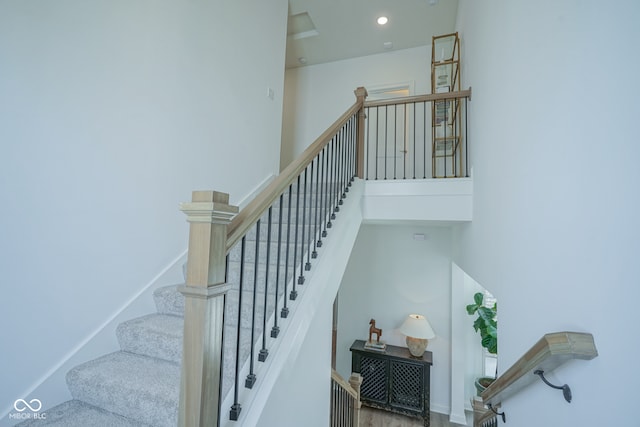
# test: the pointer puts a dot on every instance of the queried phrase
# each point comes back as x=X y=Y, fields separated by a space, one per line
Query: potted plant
x=487 y=325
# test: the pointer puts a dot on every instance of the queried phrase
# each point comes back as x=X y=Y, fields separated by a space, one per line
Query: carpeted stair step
x=169 y=300
x=142 y=388
x=154 y=335
x=75 y=413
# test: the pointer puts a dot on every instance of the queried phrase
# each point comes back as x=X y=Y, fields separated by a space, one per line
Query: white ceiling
x=348 y=29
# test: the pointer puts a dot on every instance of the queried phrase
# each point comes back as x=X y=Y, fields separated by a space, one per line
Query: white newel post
x=208 y=213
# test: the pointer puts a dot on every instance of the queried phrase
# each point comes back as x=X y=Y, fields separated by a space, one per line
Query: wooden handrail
x=551 y=351
x=254 y=210
x=420 y=98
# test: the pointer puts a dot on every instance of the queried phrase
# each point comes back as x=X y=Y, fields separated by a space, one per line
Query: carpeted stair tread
x=169 y=300
x=154 y=335
x=75 y=413
x=138 y=387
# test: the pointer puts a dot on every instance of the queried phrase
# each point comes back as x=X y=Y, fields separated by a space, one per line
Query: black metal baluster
x=406 y=146
x=234 y=413
x=330 y=183
x=348 y=153
x=345 y=152
x=377 y=133
x=285 y=310
x=339 y=193
x=294 y=293
x=424 y=139
x=323 y=176
x=334 y=185
x=446 y=125
x=386 y=131
x=316 y=211
x=307 y=266
x=415 y=153
x=454 y=146
x=275 y=330
x=339 y=170
x=251 y=377
x=354 y=149
x=343 y=163
x=395 y=142
x=304 y=225
x=224 y=322
x=325 y=191
x=367 y=146
x=262 y=356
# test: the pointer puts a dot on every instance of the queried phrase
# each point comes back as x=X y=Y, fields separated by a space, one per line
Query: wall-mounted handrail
x=551 y=351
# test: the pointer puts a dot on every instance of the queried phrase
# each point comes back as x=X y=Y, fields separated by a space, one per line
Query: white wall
x=390 y=275
x=555 y=232
x=111 y=112
x=315 y=96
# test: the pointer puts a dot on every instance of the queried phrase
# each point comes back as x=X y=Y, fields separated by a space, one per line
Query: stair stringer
x=318 y=292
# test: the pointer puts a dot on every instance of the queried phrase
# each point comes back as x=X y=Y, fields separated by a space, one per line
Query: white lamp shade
x=417 y=326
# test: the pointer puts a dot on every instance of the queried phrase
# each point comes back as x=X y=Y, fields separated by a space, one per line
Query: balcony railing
x=417 y=137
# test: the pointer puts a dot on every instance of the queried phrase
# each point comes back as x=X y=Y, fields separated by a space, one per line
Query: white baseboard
x=256 y=190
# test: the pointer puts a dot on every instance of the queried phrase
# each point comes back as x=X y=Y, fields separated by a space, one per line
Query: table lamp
x=418 y=331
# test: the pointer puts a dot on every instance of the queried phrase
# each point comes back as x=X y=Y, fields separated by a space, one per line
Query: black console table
x=393 y=380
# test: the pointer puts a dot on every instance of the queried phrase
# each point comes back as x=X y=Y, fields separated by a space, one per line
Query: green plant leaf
x=478 y=297
x=486 y=314
x=491 y=344
x=485 y=324
x=478 y=324
x=492 y=330
x=471 y=309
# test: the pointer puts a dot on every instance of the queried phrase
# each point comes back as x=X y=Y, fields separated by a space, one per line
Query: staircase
x=136 y=386
x=140 y=384
x=260 y=258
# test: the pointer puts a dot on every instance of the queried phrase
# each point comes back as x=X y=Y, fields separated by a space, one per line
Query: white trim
x=256 y=190
x=458 y=346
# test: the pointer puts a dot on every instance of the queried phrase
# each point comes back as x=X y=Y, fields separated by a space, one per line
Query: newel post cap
x=361 y=92
x=209 y=207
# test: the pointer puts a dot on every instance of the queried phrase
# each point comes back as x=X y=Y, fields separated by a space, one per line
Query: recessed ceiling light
x=302 y=60
x=388 y=45
x=383 y=20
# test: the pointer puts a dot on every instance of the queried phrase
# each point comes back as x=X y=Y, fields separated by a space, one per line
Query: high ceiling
x=330 y=30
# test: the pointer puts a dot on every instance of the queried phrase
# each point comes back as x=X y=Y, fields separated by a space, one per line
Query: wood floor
x=370 y=417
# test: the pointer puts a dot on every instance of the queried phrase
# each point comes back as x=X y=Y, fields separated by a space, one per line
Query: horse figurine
x=374 y=330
